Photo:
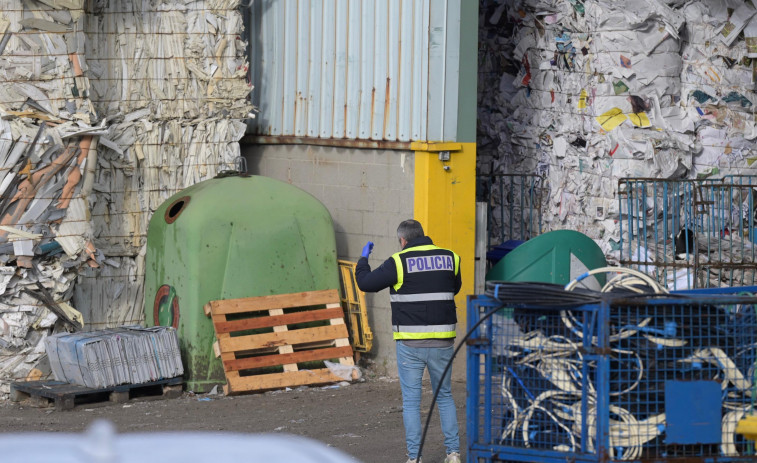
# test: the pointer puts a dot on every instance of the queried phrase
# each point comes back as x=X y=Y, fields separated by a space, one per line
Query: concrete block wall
x=368 y=193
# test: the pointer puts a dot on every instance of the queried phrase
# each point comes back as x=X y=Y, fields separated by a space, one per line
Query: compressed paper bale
x=118 y=285
x=166 y=84
x=546 y=71
x=43 y=110
x=174 y=80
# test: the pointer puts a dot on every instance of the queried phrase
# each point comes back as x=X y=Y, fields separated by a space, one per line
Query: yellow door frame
x=445 y=204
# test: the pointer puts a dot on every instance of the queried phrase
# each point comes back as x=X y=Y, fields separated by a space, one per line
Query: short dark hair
x=410 y=230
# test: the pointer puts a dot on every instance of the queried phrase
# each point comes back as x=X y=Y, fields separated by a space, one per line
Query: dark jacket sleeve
x=376 y=280
x=458 y=279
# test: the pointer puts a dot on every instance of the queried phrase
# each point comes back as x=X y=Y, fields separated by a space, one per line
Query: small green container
x=227 y=238
x=555 y=257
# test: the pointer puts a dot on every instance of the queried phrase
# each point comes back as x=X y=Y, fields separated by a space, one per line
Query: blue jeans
x=411 y=361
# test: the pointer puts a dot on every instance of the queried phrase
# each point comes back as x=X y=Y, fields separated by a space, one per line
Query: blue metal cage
x=690 y=233
x=653 y=379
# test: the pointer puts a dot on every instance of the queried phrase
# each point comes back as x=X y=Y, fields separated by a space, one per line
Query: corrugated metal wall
x=355 y=69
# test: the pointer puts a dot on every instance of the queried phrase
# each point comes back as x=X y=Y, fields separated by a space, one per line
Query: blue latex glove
x=367 y=249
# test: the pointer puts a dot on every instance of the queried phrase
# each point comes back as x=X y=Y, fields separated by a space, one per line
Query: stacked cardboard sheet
x=124 y=355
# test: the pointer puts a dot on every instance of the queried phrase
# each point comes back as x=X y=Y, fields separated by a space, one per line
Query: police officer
x=422 y=280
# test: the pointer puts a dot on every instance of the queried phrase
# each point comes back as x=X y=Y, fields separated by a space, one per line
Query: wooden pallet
x=272 y=342
x=65 y=395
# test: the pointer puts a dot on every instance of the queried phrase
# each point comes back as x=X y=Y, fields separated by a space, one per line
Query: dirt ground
x=363 y=419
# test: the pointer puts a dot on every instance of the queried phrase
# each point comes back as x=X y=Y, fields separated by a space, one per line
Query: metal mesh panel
x=515 y=204
x=703 y=350
x=663 y=380
x=690 y=233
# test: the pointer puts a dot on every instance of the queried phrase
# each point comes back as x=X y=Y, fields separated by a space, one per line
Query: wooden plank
x=257 y=341
x=228 y=356
x=345 y=360
x=342 y=342
x=283 y=349
x=281 y=380
x=349 y=361
x=281 y=301
x=282 y=359
x=276 y=320
x=218 y=319
x=217 y=345
x=316 y=345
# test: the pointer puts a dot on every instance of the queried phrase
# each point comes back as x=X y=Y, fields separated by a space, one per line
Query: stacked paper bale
x=48 y=137
x=170 y=77
x=587 y=92
x=108 y=113
x=718 y=92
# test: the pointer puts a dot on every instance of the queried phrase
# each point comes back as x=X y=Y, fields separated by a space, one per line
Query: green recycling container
x=226 y=238
x=558 y=256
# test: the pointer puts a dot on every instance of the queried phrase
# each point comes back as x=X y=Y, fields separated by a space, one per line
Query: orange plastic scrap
x=27 y=189
x=90 y=250
x=75 y=64
x=75 y=175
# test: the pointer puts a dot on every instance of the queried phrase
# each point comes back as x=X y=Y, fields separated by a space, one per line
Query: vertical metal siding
x=437 y=41
x=394 y=45
x=355 y=69
x=352 y=109
x=301 y=59
x=420 y=69
x=325 y=128
x=451 y=64
x=341 y=57
x=366 y=68
x=315 y=69
x=288 y=71
x=380 y=69
x=404 y=71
